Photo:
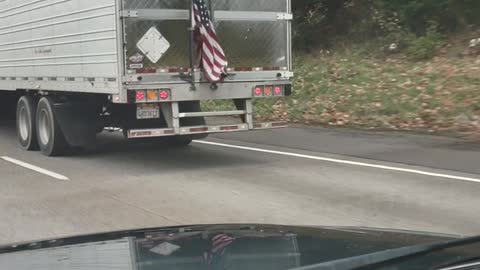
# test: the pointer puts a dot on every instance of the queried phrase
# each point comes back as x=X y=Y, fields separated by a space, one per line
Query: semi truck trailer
x=71 y=68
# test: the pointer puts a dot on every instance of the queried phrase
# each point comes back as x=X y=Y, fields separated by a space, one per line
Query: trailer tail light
x=164 y=94
x=140 y=95
x=277 y=91
x=268 y=91
x=152 y=95
x=258 y=91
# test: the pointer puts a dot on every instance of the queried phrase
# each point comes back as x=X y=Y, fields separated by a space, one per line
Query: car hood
x=250 y=246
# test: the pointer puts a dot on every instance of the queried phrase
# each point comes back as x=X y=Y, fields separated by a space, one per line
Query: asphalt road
x=292 y=176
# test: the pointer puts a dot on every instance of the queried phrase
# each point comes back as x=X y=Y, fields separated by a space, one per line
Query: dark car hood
x=187 y=247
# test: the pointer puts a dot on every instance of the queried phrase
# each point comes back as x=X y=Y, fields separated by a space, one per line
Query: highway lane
x=126 y=185
x=400 y=147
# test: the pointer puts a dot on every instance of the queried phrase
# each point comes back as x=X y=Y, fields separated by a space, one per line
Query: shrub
x=425 y=47
x=321 y=23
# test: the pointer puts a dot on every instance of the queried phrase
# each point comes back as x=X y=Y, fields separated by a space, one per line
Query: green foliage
x=319 y=22
x=308 y=18
x=415 y=15
x=425 y=47
x=323 y=23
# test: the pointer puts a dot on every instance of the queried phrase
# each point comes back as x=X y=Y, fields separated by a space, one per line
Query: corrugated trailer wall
x=63 y=45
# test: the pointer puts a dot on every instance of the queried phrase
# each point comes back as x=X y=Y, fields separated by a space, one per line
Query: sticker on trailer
x=153 y=45
x=136 y=58
x=135 y=66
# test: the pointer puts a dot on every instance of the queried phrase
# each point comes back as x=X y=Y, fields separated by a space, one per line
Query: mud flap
x=77 y=122
x=8 y=104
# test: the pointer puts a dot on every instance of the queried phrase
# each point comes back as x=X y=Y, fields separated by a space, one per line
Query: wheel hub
x=23 y=123
x=44 y=129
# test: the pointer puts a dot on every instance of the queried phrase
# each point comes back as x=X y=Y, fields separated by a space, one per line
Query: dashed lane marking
x=35 y=168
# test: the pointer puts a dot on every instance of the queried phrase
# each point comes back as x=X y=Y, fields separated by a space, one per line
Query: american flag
x=211 y=55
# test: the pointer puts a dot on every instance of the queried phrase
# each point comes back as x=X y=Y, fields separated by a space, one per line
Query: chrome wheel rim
x=44 y=130
x=23 y=123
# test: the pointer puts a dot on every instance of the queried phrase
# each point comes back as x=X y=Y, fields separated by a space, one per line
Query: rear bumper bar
x=152 y=133
x=182 y=92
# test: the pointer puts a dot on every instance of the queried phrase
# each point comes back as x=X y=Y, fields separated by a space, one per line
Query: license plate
x=148 y=111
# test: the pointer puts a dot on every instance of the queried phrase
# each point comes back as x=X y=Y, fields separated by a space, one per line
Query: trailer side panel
x=61 y=45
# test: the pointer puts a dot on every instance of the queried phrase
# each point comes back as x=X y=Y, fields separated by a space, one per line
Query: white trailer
x=77 y=66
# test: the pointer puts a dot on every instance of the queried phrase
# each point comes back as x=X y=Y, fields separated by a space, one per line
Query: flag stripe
x=212 y=56
x=213 y=40
x=213 y=46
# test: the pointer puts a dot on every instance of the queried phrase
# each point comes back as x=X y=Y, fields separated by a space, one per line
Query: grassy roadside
x=347 y=89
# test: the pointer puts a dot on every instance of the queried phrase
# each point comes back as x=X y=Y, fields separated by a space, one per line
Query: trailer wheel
x=49 y=135
x=26 y=131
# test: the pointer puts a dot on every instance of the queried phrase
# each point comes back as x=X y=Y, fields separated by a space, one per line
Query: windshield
x=352 y=124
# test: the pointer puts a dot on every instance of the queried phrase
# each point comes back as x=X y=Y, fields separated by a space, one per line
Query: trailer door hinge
x=129 y=13
x=285 y=16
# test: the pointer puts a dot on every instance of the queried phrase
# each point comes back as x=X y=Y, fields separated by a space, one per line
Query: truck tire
x=26 y=119
x=49 y=135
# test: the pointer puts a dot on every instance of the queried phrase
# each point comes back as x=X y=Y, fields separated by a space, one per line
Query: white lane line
x=341 y=161
x=36 y=168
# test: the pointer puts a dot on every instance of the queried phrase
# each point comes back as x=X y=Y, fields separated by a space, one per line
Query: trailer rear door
x=255 y=34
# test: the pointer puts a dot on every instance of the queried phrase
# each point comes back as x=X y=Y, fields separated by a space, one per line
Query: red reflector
x=277 y=90
x=271 y=68
x=279 y=124
x=243 y=69
x=201 y=129
x=146 y=71
x=258 y=91
x=164 y=95
x=140 y=133
x=227 y=128
x=140 y=95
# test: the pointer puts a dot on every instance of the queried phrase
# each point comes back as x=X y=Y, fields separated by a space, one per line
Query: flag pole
x=214 y=86
x=191 y=34
x=212 y=14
